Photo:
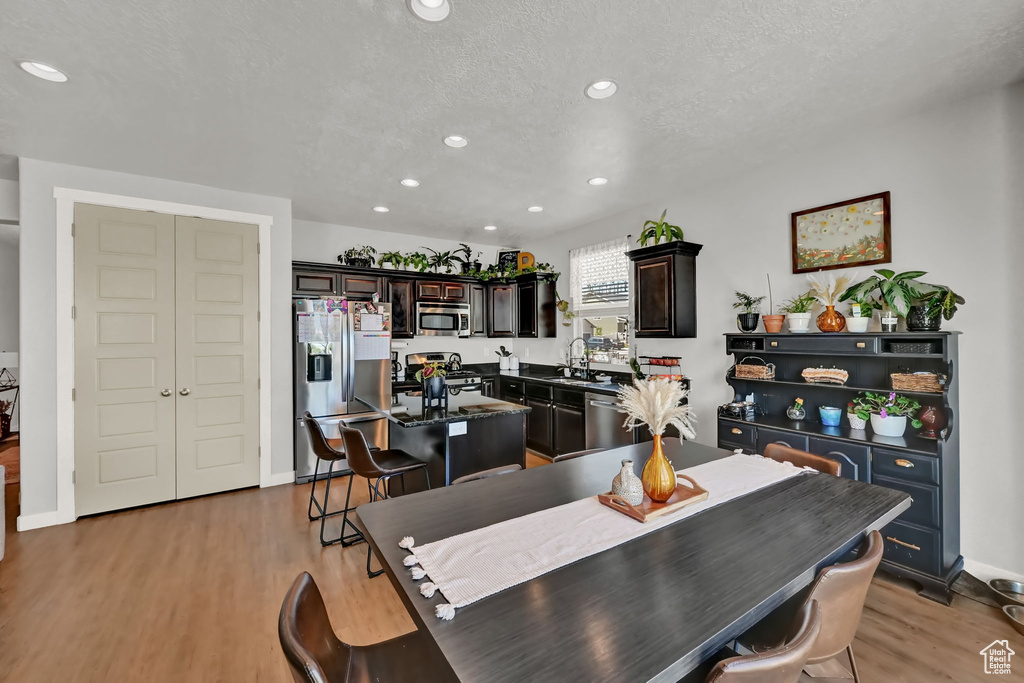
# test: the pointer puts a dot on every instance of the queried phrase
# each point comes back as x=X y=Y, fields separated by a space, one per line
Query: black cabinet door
x=501 y=310
x=569 y=429
x=478 y=310
x=655 y=296
x=854 y=460
x=454 y=292
x=487 y=387
x=767 y=436
x=403 y=317
x=313 y=283
x=429 y=291
x=538 y=425
x=360 y=287
x=527 y=303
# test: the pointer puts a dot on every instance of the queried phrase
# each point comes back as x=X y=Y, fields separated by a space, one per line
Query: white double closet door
x=166 y=357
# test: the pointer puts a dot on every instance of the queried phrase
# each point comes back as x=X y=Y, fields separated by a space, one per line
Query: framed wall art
x=842 y=235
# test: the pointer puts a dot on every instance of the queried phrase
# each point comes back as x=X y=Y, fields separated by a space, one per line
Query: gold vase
x=658 y=477
x=831 y=320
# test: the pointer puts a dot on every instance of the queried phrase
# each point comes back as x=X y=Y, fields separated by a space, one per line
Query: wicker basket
x=929 y=382
x=745 y=371
x=913 y=347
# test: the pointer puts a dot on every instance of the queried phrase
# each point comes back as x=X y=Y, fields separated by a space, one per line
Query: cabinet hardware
x=185 y=391
x=737 y=430
x=165 y=392
x=903 y=543
x=774 y=343
x=860 y=345
x=904 y=463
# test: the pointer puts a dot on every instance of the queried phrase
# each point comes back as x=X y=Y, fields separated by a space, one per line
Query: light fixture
x=490 y=228
x=44 y=71
x=409 y=182
x=599 y=90
x=598 y=181
x=456 y=141
x=381 y=209
x=535 y=209
x=430 y=10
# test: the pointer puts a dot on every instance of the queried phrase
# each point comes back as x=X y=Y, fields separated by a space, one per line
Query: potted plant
x=358 y=256
x=391 y=260
x=851 y=414
x=904 y=295
x=931 y=304
x=432 y=376
x=417 y=260
x=827 y=292
x=440 y=259
x=657 y=404
x=773 y=321
x=656 y=231
x=751 y=305
x=888 y=412
x=563 y=306
x=464 y=257
x=862 y=309
x=798 y=311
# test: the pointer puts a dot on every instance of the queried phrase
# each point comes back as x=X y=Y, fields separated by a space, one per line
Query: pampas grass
x=827 y=291
x=655 y=403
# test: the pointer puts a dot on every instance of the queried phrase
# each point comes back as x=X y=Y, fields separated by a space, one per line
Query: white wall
x=8 y=201
x=38 y=322
x=8 y=288
x=953 y=173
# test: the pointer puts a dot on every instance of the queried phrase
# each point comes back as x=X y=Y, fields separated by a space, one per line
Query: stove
x=458 y=378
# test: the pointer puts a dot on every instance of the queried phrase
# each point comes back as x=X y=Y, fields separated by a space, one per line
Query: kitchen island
x=473 y=433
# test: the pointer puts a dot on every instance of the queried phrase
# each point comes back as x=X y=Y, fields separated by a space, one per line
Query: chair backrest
x=493 y=472
x=314 y=652
x=358 y=453
x=577 y=454
x=841 y=590
x=321 y=448
x=781 y=665
x=777 y=451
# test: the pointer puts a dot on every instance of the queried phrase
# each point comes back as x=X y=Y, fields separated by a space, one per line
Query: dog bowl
x=1015 y=613
x=1012 y=591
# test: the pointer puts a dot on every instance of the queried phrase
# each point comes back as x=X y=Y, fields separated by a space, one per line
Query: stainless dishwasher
x=604 y=423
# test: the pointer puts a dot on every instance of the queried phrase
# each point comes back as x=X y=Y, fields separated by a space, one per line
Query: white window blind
x=599 y=277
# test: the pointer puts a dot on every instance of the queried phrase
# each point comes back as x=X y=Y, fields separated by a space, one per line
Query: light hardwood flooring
x=190 y=591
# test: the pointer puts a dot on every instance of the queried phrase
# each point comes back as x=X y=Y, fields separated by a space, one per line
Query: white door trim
x=64 y=414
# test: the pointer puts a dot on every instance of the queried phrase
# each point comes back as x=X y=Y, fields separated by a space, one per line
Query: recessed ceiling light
x=44 y=71
x=535 y=209
x=456 y=141
x=490 y=228
x=430 y=10
x=599 y=90
x=381 y=209
x=598 y=181
x=409 y=182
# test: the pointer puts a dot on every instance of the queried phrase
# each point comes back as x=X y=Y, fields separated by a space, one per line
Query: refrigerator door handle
x=351 y=359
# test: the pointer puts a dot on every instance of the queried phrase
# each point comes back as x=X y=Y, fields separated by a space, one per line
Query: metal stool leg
x=312 y=494
x=375 y=494
x=356 y=536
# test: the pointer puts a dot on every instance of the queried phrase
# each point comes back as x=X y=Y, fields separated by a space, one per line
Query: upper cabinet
x=501 y=310
x=454 y=292
x=478 y=310
x=665 y=297
x=535 y=307
x=361 y=287
x=313 y=283
x=403 y=308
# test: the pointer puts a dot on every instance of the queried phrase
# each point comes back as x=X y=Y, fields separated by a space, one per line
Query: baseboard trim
x=986 y=571
x=40 y=520
x=279 y=479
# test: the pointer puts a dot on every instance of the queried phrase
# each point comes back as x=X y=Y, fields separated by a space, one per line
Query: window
x=599 y=281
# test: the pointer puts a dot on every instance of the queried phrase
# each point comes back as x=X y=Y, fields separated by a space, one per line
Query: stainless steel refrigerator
x=342 y=350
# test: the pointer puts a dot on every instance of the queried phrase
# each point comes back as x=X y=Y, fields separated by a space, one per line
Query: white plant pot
x=388 y=266
x=856 y=422
x=857 y=325
x=798 y=322
x=894 y=425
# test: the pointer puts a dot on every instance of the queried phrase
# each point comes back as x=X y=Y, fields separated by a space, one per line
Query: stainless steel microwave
x=442 y=319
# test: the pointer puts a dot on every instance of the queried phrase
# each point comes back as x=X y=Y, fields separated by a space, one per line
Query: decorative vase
x=830 y=416
x=658 y=477
x=798 y=322
x=794 y=413
x=889 y=322
x=747 y=322
x=857 y=325
x=918 y=320
x=856 y=422
x=831 y=320
x=433 y=387
x=934 y=420
x=773 y=323
x=892 y=425
x=627 y=485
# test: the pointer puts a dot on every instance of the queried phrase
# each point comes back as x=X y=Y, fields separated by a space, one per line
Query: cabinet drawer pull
x=775 y=343
x=737 y=430
x=903 y=543
x=904 y=463
x=860 y=345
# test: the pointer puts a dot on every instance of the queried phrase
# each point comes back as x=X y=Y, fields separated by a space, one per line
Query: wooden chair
x=484 y=474
x=315 y=654
x=780 y=453
x=577 y=454
x=327 y=450
x=783 y=664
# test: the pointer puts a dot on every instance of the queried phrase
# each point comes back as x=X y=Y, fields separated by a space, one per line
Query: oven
x=442 y=319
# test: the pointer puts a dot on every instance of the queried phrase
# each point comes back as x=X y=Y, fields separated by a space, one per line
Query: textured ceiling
x=332 y=103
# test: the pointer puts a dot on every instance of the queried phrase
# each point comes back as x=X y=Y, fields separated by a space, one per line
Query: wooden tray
x=648 y=510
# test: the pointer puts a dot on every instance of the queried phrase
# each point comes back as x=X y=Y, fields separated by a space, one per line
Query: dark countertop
x=533 y=373
x=408 y=411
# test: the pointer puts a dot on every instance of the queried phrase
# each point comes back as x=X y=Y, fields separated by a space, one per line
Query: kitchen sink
x=568 y=380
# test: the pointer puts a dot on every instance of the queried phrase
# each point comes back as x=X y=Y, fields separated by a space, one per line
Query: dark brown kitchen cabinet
x=454 y=292
x=361 y=287
x=536 y=307
x=403 y=313
x=665 y=282
x=501 y=310
x=538 y=425
x=313 y=283
x=570 y=432
x=478 y=311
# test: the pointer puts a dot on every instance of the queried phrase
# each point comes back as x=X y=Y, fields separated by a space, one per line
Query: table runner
x=471 y=566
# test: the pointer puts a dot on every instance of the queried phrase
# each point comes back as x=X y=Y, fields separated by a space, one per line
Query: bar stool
x=378 y=468
x=324 y=451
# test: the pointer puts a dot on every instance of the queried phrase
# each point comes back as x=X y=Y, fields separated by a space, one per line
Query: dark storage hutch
x=923 y=544
x=665 y=283
x=522 y=307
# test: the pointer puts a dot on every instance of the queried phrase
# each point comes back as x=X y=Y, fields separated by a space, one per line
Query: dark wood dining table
x=651 y=609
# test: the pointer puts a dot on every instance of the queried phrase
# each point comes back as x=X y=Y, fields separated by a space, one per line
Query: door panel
x=124 y=358
x=217 y=356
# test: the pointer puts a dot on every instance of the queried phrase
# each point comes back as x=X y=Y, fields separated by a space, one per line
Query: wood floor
x=190 y=591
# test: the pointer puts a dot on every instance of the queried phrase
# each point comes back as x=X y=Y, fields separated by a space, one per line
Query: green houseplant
x=798 y=311
x=656 y=231
x=391 y=259
x=888 y=412
x=432 y=376
x=862 y=309
x=417 y=260
x=464 y=257
x=751 y=305
x=922 y=304
x=440 y=259
x=358 y=256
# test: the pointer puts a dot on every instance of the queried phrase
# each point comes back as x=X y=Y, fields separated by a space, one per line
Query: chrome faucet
x=583 y=370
